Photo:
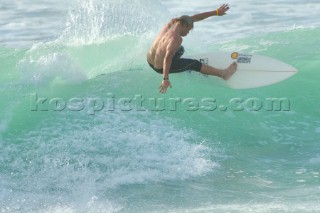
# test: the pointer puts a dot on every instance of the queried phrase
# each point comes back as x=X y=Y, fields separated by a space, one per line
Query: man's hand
x=164 y=85
x=223 y=9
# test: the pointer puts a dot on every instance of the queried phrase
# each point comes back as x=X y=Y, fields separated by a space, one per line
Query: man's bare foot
x=227 y=73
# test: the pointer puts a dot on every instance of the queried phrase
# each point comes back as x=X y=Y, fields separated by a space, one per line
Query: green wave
x=46 y=67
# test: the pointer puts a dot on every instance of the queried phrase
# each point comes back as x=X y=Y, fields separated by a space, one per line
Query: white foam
x=42 y=66
x=95 y=21
x=32 y=204
x=257 y=208
x=72 y=158
x=315 y=160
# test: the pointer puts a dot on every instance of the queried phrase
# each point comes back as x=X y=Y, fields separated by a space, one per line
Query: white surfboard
x=253 y=70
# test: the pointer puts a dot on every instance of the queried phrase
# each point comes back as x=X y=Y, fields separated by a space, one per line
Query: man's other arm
x=220 y=12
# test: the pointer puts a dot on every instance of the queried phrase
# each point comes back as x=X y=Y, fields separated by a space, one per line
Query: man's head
x=186 y=23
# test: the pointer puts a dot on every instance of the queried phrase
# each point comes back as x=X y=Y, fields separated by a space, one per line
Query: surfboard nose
x=253 y=70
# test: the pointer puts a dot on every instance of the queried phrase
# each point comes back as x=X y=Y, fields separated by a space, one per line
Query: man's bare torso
x=157 y=52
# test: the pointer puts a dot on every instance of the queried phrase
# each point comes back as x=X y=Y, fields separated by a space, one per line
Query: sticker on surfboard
x=241 y=58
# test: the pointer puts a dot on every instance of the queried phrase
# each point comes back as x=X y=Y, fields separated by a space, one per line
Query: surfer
x=164 y=56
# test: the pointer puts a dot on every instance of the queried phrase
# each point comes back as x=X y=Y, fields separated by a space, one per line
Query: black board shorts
x=180 y=64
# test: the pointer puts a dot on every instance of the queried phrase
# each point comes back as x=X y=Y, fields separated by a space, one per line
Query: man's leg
x=225 y=74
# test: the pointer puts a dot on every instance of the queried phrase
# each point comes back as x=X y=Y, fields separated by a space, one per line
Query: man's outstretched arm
x=219 y=12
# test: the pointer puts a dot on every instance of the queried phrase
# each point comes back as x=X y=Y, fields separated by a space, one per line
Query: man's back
x=159 y=47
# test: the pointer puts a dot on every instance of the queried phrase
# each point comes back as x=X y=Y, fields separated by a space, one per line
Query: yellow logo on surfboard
x=235 y=55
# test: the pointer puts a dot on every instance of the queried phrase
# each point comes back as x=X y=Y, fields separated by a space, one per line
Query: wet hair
x=184 y=20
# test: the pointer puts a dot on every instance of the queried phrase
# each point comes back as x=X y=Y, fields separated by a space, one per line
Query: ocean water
x=83 y=127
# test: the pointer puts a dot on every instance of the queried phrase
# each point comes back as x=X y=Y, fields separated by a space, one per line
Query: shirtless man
x=166 y=50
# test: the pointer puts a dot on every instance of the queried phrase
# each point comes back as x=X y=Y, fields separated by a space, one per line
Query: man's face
x=185 y=30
